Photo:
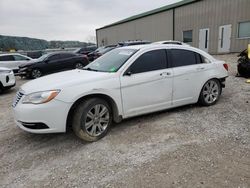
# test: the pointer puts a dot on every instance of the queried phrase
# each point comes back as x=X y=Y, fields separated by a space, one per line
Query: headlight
x=40 y=97
x=5 y=71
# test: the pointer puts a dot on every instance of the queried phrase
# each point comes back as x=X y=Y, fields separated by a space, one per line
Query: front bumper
x=50 y=117
x=9 y=81
x=23 y=72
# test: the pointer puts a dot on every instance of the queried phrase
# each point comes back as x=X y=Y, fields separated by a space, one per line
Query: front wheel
x=92 y=119
x=36 y=73
x=210 y=92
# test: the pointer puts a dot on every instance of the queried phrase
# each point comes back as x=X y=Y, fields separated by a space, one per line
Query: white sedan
x=7 y=79
x=125 y=82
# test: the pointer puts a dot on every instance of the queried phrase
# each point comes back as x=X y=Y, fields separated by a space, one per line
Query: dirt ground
x=191 y=146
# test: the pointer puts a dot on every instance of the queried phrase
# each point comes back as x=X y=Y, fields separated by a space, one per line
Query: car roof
x=55 y=53
x=11 y=54
x=159 y=46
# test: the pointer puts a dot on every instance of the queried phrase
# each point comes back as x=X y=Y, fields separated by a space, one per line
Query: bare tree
x=91 y=39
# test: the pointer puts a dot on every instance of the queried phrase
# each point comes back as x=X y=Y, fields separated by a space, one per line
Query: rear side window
x=20 y=58
x=183 y=57
x=67 y=55
x=7 y=58
x=149 y=61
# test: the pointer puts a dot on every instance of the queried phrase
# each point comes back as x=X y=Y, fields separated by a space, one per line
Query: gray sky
x=67 y=19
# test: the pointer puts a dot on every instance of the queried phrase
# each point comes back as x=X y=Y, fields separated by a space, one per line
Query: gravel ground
x=191 y=146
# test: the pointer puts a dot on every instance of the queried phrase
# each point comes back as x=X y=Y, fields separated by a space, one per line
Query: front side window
x=54 y=57
x=244 y=30
x=149 y=61
x=111 y=61
x=188 y=36
x=183 y=57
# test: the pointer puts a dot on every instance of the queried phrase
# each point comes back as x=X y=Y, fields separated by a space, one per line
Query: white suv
x=13 y=61
x=7 y=79
x=125 y=82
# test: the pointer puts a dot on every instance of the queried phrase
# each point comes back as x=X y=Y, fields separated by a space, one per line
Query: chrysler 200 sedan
x=123 y=83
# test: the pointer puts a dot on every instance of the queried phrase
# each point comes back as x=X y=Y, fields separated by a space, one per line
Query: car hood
x=3 y=68
x=28 y=63
x=63 y=80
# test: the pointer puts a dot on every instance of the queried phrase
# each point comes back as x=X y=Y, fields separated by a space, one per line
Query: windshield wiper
x=90 y=69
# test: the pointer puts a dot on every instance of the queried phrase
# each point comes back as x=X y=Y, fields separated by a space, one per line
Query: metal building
x=216 y=26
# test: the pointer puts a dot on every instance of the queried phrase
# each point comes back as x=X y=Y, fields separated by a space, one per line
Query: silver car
x=13 y=60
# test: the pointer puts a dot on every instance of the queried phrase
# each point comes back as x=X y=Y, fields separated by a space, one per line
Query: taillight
x=225 y=66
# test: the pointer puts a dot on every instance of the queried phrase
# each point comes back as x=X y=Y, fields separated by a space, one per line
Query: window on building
x=188 y=36
x=149 y=61
x=183 y=58
x=244 y=29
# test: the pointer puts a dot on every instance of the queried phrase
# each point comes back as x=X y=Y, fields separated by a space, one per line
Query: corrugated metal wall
x=202 y=14
x=212 y=14
x=153 y=28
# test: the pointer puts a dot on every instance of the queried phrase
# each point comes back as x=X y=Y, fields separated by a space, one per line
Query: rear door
x=147 y=84
x=68 y=61
x=189 y=72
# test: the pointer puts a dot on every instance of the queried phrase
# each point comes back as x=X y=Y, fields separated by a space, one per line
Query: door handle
x=200 y=68
x=165 y=74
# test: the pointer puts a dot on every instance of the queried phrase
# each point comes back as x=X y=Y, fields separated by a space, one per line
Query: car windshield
x=43 y=57
x=111 y=61
x=77 y=50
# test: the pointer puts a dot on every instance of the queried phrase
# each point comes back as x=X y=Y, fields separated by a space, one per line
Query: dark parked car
x=85 y=50
x=244 y=64
x=100 y=51
x=52 y=62
x=133 y=42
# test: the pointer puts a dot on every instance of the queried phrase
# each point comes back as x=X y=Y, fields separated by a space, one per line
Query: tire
x=36 y=73
x=210 y=92
x=79 y=65
x=86 y=115
x=1 y=88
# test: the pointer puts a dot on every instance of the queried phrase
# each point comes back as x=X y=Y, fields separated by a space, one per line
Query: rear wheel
x=210 y=92
x=92 y=119
x=36 y=73
x=1 y=88
x=79 y=66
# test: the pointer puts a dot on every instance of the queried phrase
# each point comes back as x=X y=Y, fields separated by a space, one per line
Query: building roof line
x=151 y=12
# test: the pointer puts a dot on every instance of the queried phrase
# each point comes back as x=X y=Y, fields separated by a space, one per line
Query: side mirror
x=128 y=73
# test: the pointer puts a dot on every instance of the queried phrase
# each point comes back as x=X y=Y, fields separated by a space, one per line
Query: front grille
x=17 y=98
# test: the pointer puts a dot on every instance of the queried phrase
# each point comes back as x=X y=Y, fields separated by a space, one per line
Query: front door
x=224 y=38
x=147 y=84
x=204 y=39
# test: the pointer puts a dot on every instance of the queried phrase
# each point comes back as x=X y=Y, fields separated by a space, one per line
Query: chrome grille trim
x=18 y=97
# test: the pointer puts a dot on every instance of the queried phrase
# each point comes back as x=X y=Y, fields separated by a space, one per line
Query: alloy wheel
x=36 y=73
x=97 y=120
x=211 y=91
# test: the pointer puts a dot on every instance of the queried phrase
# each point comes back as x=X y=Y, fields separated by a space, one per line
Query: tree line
x=8 y=43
